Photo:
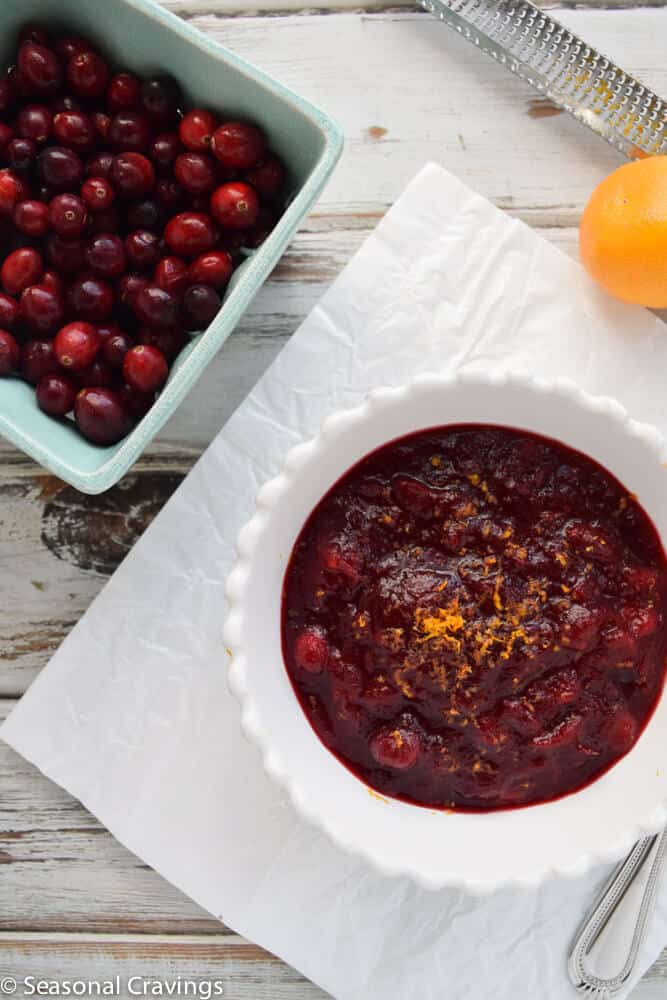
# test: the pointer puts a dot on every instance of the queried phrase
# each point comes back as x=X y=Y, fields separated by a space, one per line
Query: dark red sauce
x=474 y=618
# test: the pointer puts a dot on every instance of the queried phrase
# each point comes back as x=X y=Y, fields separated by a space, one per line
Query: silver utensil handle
x=564 y=68
x=647 y=856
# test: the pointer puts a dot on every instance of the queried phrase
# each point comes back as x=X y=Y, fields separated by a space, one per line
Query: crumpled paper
x=133 y=715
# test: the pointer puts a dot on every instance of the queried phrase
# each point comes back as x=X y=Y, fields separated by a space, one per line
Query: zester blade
x=564 y=68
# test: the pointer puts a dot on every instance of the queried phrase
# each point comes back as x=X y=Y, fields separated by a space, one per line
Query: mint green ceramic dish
x=140 y=35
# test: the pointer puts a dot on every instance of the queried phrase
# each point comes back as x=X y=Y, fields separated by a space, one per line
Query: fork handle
x=647 y=856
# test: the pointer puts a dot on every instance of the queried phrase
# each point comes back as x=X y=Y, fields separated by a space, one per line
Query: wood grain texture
x=74 y=902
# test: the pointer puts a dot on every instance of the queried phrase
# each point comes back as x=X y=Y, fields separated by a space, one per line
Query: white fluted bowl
x=479 y=852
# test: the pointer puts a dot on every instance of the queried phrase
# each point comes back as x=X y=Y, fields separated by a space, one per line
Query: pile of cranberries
x=122 y=218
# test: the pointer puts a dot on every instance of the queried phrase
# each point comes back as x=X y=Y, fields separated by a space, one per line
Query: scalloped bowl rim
x=343 y=815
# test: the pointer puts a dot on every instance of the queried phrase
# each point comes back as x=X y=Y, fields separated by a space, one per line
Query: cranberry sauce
x=473 y=618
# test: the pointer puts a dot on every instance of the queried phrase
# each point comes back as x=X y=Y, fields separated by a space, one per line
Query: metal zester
x=564 y=68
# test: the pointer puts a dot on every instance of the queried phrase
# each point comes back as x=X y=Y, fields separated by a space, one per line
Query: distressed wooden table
x=73 y=902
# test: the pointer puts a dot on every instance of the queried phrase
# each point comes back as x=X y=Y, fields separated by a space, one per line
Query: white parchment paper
x=133 y=716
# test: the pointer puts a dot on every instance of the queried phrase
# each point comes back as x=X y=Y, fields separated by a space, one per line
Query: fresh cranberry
x=9 y=311
x=266 y=221
x=267 y=178
x=37 y=360
x=235 y=205
x=60 y=168
x=88 y=74
x=75 y=130
x=142 y=249
x=55 y=395
x=165 y=148
x=160 y=98
x=137 y=404
x=97 y=193
x=132 y=175
x=115 y=348
x=201 y=304
x=99 y=165
x=102 y=123
x=54 y=283
x=107 y=330
x=130 y=131
x=172 y=274
x=144 y=214
x=65 y=102
x=238 y=145
x=76 y=345
x=169 y=194
x=105 y=255
x=68 y=46
x=98 y=375
x=123 y=92
x=6 y=135
x=100 y=416
x=168 y=339
x=90 y=298
x=213 y=268
x=311 y=651
x=66 y=256
x=20 y=154
x=21 y=268
x=12 y=190
x=40 y=68
x=156 y=307
x=68 y=215
x=129 y=287
x=10 y=353
x=42 y=309
x=106 y=221
x=32 y=218
x=190 y=234
x=34 y=122
x=145 y=368
x=196 y=172
x=196 y=130
x=397 y=748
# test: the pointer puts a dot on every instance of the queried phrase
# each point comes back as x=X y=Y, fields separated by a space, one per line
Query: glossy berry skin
x=235 y=205
x=68 y=215
x=60 y=168
x=37 y=360
x=142 y=249
x=90 y=298
x=34 y=122
x=190 y=234
x=123 y=92
x=20 y=154
x=196 y=172
x=172 y=274
x=53 y=282
x=70 y=45
x=102 y=123
x=129 y=287
x=75 y=130
x=130 y=131
x=55 y=395
x=76 y=345
x=21 y=268
x=145 y=368
x=40 y=68
x=115 y=348
x=99 y=165
x=9 y=311
x=238 y=145
x=98 y=375
x=267 y=178
x=12 y=190
x=213 y=268
x=65 y=256
x=32 y=218
x=42 y=309
x=156 y=307
x=105 y=254
x=168 y=339
x=100 y=416
x=107 y=330
x=10 y=353
x=34 y=33
x=97 y=194
x=88 y=74
x=132 y=175
x=137 y=404
x=160 y=98
x=165 y=148
x=201 y=303
x=196 y=130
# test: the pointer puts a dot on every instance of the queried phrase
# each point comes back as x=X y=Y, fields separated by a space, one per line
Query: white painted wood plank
x=252 y=8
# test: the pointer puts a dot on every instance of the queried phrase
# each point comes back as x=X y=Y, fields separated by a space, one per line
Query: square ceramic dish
x=141 y=36
x=479 y=852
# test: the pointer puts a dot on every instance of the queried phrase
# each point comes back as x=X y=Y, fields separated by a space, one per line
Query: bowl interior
x=141 y=36
x=480 y=850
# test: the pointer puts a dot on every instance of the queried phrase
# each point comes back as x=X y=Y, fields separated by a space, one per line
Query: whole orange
x=623 y=233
